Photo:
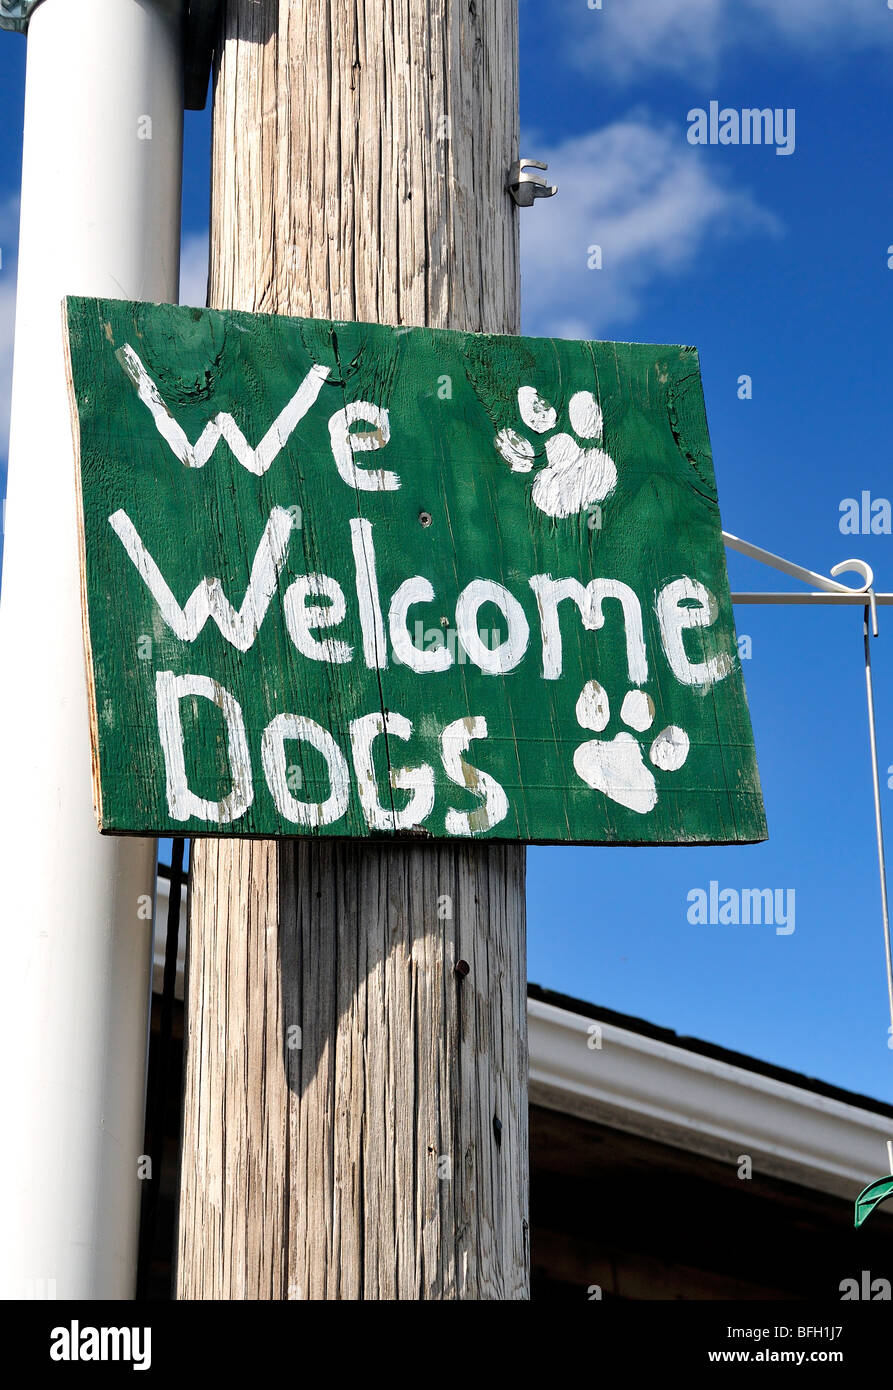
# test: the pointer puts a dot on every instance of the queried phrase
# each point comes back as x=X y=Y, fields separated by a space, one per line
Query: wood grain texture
x=384 y=1158
x=313 y=1172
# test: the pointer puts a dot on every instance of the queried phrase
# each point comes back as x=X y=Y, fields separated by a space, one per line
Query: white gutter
x=682 y=1098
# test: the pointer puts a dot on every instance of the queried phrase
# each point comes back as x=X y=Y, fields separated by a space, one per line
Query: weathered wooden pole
x=356 y=1068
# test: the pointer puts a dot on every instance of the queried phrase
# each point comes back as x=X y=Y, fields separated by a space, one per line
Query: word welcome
x=681 y=604
x=745 y=906
x=749 y=126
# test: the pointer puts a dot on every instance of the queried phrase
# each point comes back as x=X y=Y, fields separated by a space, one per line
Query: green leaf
x=871 y=1197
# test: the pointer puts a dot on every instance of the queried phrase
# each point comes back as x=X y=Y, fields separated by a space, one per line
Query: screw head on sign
x=462 y=968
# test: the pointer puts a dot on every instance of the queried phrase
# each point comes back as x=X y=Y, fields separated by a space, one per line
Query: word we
x=749 y=126
x=742 y=906
x=866 y=516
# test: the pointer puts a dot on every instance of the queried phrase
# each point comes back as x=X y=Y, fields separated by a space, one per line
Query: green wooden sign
x=343 y=579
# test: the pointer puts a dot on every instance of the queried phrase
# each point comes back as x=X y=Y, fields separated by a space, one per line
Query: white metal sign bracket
x=830 y=590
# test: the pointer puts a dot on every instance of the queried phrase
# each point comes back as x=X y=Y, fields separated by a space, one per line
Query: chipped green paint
x=344 y=579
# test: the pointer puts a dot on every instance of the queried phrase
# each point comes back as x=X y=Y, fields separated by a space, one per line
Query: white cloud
x=194 y=269
x=626 y=38
x=652 y=204
x=856 y=23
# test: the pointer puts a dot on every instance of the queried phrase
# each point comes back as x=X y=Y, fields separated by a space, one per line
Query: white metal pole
x=871 y=625
x=100 y=215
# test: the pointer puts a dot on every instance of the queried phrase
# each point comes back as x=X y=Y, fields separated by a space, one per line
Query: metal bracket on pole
x=525 y=187
x=200 y=36
x=15 y=14
x=829 y=590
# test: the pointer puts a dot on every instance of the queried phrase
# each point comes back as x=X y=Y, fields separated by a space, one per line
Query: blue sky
x=775 y=267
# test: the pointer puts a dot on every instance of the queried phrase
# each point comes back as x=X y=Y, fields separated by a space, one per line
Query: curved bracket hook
x=806 y=576
x=857 y=567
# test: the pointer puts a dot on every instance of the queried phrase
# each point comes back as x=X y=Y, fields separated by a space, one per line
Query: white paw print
x=616 y=766
x=577 y=476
